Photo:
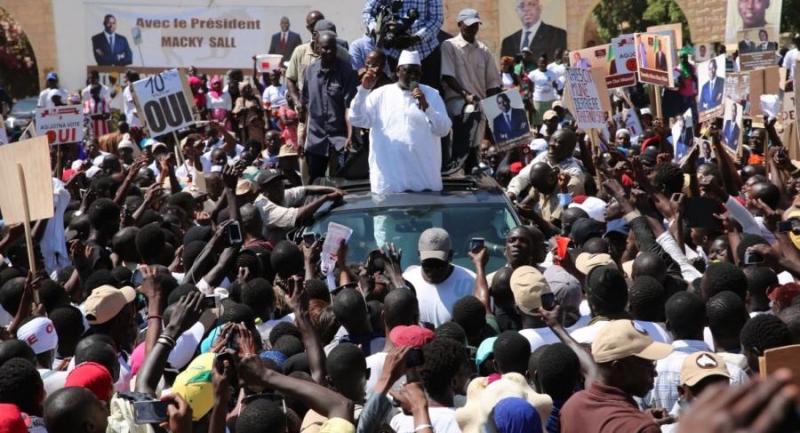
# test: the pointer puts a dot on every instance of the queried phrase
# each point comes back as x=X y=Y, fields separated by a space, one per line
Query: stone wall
x=36 y=19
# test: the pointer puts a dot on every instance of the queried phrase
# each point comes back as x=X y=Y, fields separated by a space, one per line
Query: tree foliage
x=790 y=16
x=616 y=17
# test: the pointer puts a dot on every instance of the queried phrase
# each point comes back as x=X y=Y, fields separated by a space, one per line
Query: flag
x=611 y=60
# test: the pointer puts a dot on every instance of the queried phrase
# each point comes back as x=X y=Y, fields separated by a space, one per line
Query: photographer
x=420 y=37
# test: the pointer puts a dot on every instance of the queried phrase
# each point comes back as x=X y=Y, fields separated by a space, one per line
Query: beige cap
x=549 y=114
x=528 y=286
x=106 y=302
x=700 y=365
x=244 y=186
x=623 y=338
x=585 y=262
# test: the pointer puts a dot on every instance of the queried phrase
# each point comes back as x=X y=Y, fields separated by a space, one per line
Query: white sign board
x=268 y=62
x=60 y=125
x=162 y=102
x=585 y=101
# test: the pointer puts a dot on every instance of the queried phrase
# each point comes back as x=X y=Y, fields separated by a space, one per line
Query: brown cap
x=106 y=302
x=528 y=285
x=700 y=365
x=623 y=338
x=585 y=262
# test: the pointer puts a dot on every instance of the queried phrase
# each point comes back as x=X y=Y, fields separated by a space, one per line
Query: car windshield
x=24 y=106
x=403 y=226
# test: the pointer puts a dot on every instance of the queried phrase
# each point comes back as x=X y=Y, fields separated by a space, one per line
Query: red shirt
x=604 y=409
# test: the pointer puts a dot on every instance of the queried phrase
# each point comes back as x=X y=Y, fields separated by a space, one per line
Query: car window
x=403 y=226
x=24 y=105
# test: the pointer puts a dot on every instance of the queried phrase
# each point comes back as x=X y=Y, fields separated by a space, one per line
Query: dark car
x=20 y=117
x=468 y=207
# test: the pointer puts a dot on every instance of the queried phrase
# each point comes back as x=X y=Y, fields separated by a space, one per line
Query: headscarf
x=214 y=81
x=685 y=67
x=516 y=415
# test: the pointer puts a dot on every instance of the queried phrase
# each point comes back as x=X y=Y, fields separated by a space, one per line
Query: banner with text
x=60 y=125
x=218 y=37
x=588 y=109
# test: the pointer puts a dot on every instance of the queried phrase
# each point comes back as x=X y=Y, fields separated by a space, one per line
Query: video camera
x=393 y=30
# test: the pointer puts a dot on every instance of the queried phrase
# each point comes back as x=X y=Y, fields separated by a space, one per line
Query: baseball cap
x=325 y=26
x=485 y=350
x=469 y=17
x=624 y=338
x=286 y=150
x=194 y=385
x=434 y=243
x=106 y=302
x=52 y=76
x=585 y=262
x=528 y=285
x=594 y=207
x=40 y=334
x=244 y=186
x=549 y=114
x=94 y=377
x=410 y=336
x=618 y=225
x=11 y=419
x=584 y=229
x=538 y=145
x=266 y=176
x=700 y=365
x=159 y=146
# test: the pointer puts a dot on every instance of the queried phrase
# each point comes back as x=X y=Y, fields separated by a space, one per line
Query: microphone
x=413 y=85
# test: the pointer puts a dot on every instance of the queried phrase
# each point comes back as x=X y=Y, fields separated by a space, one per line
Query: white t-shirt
x=543 y=89
x=46 y=97
x=443 y=420
x=275 y=96
x=539 y=337
x=436 y=301
x=790 y=62
x=587 y=334
x=131 y=117
x=559 y=73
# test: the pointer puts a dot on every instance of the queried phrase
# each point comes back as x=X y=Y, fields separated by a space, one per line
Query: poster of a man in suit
x=751 y=14
x=285 y=41
x=506 y=114
x=109 y=47
x=540 y=25
x=711 y=78
x=732 y=126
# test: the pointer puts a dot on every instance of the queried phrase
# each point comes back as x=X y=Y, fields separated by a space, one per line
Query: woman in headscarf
x=196 y=86
x=219 y=103
x=249 y=115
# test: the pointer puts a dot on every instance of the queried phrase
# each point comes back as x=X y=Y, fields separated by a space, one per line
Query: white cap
x=623 y=131
x=409 y=58
x=39 y=334
x=594 y=207
x=538 y=145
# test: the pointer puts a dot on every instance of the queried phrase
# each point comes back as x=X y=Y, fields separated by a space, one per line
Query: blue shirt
x=431 y=18
x=327 y=94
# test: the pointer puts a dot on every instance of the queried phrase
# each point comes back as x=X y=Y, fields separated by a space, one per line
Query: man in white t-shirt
x=790 y=60
x=438 y=282
x=46 y=96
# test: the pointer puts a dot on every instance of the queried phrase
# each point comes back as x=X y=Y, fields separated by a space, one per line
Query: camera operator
x=421 y=37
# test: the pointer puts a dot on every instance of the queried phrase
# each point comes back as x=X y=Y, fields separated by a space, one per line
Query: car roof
x=463 y=190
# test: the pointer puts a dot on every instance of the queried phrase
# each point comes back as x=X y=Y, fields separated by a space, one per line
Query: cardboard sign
x=780 y=357
x=588 y=108
x=796 y=105
x=268 y=62
x=507 y=119
x=60 y=125
x=34 y=157
x=757 y=48
x=737 y=87
x=162 y=102
x=655 y=59
x=711 y=88
x=762 y=82
x=676 y=29
x=621 y=62
x=588 y=58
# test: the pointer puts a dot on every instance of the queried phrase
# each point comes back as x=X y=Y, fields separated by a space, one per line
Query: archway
x=706 y=19
x=18 y=69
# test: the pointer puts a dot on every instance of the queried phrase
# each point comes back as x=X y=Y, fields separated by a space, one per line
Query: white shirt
x=543 y=89
x=405 y=150
x=539 y=337
x=46 y=97
x=559 y=72
x=668 y=370
x=790 y=61
x=275 y=96
x=443 y=420
x=436 y=301
x=587 y=334
x=53 y=244
x=86 y=93
x=223 y=101
x=131 y=117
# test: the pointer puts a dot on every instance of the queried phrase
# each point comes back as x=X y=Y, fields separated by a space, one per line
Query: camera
x=394 y=30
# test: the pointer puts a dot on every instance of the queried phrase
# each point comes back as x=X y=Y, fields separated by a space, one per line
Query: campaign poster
x=589 y=58
x=733 y=125
x=518 y=18
x=655 y=59
x=622 y=62
x=60 y=125
x=507 y=119
x=711 y=85
x=586 y=105
x=751 y=14
x=704 y=51
x=163 y=103
x=757 y=48
x=675 y=28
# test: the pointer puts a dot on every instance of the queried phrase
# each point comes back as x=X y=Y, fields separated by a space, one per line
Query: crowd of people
x=641 y=293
